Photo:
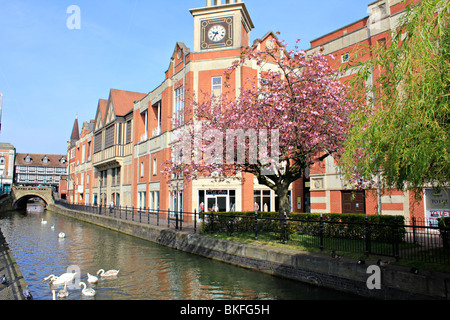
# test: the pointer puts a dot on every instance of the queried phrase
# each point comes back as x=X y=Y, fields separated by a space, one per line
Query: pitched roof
x=102 y=104
x=123 y=101
x=75 y=131
x=37 y=160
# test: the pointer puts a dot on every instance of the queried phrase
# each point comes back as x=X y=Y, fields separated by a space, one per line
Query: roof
x=37 y=160
x=6 y=146
x=75 y=131
x=123 y=101
x=102 y=104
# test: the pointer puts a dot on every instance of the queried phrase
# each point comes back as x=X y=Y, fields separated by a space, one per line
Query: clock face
x=216 y=33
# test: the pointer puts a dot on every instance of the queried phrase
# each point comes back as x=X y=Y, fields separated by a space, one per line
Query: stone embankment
x=15 y=284
x=347 y=275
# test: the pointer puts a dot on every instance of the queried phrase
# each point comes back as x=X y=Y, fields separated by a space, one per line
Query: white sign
x=437 y=205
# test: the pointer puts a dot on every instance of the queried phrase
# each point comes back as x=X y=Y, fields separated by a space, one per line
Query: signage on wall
x=437 y=205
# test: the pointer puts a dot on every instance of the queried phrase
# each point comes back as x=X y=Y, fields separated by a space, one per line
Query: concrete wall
x=318 y=269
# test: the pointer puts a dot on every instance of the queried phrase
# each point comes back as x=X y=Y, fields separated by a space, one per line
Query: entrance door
x=353 y=202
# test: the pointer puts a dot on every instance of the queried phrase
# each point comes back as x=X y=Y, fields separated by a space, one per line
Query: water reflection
x=147 y=270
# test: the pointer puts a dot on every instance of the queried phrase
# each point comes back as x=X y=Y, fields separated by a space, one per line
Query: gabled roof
x=101 y=114
x=123 y=101
x=75 y=132
x=37 y=160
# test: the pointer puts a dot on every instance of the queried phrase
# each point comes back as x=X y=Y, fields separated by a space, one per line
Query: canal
x=148 y=271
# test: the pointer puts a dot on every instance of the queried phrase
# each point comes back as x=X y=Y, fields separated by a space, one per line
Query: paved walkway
x=13 y=289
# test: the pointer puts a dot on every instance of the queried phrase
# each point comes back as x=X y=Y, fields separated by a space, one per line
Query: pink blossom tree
x=290 y=117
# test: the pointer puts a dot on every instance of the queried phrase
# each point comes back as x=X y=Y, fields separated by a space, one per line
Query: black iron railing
x=413 y=240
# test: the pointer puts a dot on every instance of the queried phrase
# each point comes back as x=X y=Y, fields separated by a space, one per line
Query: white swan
x=109 y=273
x=87 y=291
x=62 y=279
x=61 y=235
x=43 y=221
x=52 y=227
x=91 y=278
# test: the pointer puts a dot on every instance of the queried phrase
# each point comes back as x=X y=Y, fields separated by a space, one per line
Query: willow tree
x=402 y=135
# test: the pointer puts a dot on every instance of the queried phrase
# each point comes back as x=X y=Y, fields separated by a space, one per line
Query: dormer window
x=28 y=159
x=45 y=160
x=63 y=160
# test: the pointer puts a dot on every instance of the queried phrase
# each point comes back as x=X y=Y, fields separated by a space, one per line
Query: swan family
x=69 y=277
x=61 y=235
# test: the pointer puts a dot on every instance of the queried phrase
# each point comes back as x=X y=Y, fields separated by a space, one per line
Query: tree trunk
x=283 y=198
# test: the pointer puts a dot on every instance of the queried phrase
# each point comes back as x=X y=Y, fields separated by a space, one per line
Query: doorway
x=353 y=202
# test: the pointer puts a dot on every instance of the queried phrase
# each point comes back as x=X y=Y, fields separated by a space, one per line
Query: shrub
x=335 y=225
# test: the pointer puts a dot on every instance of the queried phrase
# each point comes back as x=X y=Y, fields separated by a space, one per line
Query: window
x=217 y=87
x=179 y=107
x=157 y=114
x=154 y=167
x=263 y=200
x=142 y=169
x=2 y=160
x=142 y=199
x=98 y=142
x=109 y=137
x=28 y=159
x=83 y=153
x=144 y=118
x=128 y=138
x=154 y=200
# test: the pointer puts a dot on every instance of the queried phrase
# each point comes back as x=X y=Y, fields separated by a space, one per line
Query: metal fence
x=414 y=240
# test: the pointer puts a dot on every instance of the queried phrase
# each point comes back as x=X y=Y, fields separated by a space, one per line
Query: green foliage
x=335 y=225
x=404 y=131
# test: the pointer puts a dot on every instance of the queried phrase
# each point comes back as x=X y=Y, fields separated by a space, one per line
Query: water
x=147 y=271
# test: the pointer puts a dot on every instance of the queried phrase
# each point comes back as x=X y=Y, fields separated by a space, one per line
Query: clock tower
x=222 y=24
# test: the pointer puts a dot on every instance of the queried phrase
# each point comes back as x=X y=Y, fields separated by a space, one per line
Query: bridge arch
x=21 y=195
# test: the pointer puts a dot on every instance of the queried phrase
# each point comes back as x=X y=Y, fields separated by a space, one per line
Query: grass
x=345 y=247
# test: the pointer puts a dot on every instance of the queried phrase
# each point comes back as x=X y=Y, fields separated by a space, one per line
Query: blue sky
x=50 y=74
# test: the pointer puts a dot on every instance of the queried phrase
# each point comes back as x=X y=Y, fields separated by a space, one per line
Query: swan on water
x=61 y=235
x=87 y=291
x=52 y=227
x=91 y=278
x=43 y=221
x=109 y=273
x=62 y=279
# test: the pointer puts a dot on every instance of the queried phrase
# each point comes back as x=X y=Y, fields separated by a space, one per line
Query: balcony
x=112 y=156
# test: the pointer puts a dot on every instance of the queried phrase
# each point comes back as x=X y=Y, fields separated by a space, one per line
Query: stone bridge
x=20 y=195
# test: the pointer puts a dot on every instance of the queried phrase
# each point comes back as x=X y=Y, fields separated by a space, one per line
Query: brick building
x=118 y=155
x=329 y=192
x=40 y=169
x=7 y=158
x=131 y=134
